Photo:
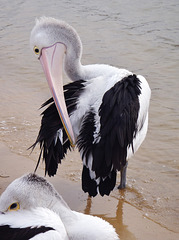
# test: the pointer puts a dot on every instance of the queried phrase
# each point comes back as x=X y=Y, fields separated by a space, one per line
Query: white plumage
x=41 y=206
x=104 y=111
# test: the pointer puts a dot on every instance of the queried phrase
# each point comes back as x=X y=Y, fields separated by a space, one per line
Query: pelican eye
x=14 y=206
x=36 y=50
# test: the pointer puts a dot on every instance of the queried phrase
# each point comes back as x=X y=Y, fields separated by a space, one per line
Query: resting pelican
x=104 y=111
x=34 y=197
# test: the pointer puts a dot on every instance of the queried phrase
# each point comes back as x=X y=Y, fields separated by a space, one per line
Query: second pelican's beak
x=52 y=62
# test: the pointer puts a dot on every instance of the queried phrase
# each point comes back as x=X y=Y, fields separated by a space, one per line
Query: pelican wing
x=52 y=137
x=118 y=127
x=119 y=113
x=7 y=232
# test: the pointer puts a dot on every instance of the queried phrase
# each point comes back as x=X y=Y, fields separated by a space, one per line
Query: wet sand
x=130 y=222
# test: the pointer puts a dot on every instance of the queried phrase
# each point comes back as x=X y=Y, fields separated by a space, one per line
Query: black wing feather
x=118 y=119
x=9 y=233
x=52 y=149
x=119 y=124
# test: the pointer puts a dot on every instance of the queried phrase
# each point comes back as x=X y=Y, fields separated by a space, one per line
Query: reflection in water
x=124 y=233
x=117 y=221
x=87 y=209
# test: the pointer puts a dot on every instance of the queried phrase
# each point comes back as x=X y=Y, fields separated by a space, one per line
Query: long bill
x=52 y=62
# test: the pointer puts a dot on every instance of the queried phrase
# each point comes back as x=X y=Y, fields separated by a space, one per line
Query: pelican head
x=50 y=31
x=56 y=43
x=32 y=192
x=28 y=192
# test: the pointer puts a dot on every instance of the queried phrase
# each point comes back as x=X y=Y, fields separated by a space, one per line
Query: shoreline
x=130 y=222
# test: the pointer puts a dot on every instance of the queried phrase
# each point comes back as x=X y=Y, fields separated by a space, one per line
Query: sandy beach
x=130 y=222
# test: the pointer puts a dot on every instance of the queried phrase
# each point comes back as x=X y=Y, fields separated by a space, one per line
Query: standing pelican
x=30 y=206
x=104 y=111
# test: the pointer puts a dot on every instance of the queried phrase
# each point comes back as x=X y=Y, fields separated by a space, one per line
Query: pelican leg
x=123 y=177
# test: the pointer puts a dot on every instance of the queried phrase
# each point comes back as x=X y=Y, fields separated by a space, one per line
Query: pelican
x=103 y=111
x=30 y=203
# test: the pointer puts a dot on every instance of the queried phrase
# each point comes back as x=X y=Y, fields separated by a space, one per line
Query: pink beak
x=52 y=62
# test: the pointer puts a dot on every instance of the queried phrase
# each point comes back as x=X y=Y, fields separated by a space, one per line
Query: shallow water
x=138 y=35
